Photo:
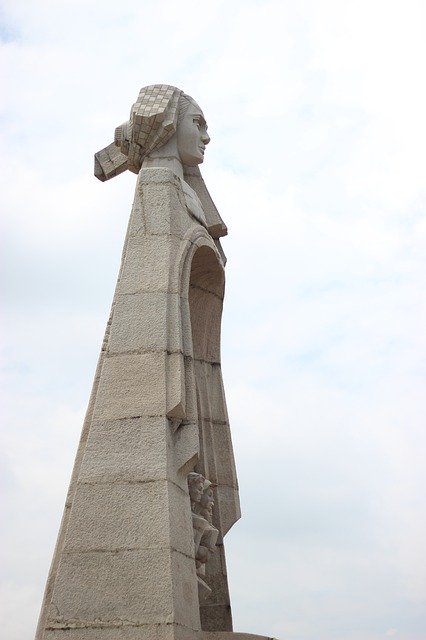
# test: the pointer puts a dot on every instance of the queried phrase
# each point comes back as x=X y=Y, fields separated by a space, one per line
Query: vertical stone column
x=124 y=564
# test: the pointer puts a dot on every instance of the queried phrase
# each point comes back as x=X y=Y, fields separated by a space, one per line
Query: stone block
x=175 y=386
x=184 y=452
x=206 y=313
x=147 y=632
x=215 y=612
x=230 y=635
x=185 y=594
x=113 y=587
x=211 y=395
x=163 y=205
x=186 y=326
x=145 y=321
x=149 y=265
x=131 y=385
x=191 y=411
x=159 y=176
x=164 y=212
x=134 y=449
x=221 y=441
x=122 y=632
x=118 y=516
x=216 y=617
x=228 y=506
x=216 y=576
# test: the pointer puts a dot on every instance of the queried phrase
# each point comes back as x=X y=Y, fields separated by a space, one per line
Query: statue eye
x=197 y=122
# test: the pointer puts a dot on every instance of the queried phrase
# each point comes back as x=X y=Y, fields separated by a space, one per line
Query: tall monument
x=153 y=492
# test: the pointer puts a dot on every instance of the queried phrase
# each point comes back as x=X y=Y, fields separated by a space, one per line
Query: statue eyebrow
x=201 y=119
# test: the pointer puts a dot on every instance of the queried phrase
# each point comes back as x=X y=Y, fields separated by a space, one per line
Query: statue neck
x=167 y=156
x=169 y=162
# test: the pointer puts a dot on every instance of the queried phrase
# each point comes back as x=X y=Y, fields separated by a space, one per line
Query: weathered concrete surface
x=150 y=632
x=224 y=635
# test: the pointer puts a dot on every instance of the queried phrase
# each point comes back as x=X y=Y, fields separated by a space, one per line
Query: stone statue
x=205 y=535
x=204 y=506
x=196 y=488
x=138 y=535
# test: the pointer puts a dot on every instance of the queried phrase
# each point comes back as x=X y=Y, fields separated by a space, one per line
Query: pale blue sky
x=317 y=164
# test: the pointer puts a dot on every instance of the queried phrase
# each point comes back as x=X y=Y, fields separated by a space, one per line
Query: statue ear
x=109 y=162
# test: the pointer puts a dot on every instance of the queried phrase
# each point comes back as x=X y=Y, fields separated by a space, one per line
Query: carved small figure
x=204 y=506
x=196 y=488
x=205 y=534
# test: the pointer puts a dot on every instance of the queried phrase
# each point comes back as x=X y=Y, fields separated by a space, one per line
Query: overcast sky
x=316 y=111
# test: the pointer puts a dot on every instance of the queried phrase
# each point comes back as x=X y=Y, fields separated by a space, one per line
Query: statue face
x=192 y=136
x=207 y=499
x=196 y=489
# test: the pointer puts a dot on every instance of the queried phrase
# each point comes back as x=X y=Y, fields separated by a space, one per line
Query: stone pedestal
x=224 y=635
x=124 y=563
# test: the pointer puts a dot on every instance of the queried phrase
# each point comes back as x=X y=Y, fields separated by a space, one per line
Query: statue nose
x=206 y=138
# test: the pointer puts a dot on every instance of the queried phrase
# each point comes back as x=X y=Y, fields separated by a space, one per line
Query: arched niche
x=206 y=289
x=205 y=284
x=215 y=461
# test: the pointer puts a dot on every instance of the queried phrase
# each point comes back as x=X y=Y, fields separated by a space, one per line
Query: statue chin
x=191 y=161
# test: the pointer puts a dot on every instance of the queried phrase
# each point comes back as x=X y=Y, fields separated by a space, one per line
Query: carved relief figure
x=205 y=535
x=204 y=506
x=196 y=488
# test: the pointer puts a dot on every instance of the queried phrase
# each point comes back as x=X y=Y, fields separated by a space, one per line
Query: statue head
x=191 y=133
x=166 y=128
x=196 y=486
x=161 y=113
x=207 y=499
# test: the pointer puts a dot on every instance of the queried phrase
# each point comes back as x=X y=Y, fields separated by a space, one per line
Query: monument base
x=149 y=632
x=230 y=635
